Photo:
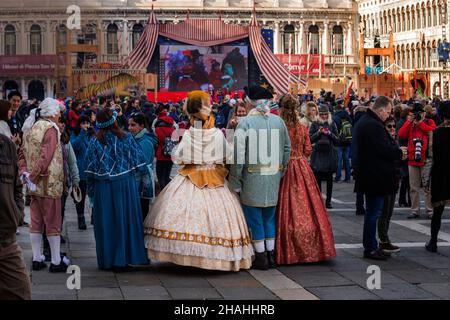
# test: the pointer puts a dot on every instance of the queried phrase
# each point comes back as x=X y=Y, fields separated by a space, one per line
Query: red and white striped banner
x=204 y=32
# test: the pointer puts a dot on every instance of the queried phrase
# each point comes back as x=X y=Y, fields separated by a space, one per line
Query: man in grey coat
x=262 y=150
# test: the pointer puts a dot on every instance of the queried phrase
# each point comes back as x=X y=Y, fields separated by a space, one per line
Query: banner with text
x=29 y=65
x=299 y=63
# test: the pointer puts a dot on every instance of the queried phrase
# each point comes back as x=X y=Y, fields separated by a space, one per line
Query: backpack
x=345 y=134
x=168 y=147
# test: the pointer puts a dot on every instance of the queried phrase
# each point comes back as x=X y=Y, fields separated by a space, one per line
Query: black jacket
x=374 y=157
x=11 y=197
x=324 y=155
x=440 y=172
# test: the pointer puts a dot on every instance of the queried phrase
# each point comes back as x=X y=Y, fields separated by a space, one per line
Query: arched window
x=407 y=57
x=429 y=12
x=338 y=40
x=138 y=29
x=289 y=32
x=62 y=35
x=314 y=43
x=35 y=39
x=10 y=40
x=112 y=43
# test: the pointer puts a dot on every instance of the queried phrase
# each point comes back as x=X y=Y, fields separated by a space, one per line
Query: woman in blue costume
x=113 y=159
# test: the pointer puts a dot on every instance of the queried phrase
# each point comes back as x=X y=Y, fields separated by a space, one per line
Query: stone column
x=48 y=39
x=276 y=37
x=325 y=38
x=425 y=21
x=350 y=39
x=22 y=39
x=2 y=40
x=49 y=88
x=301 y=44
x=415 y=19
x=23 y=88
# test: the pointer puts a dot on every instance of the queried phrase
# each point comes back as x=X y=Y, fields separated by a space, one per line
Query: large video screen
x=187 y=68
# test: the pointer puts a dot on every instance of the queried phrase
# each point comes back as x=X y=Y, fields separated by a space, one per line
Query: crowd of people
x=223 y=210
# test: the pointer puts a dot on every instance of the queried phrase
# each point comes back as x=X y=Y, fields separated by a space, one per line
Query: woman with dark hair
x=304 y=231
x=5 y=116
x=147 y=140
x=113 y=159
x=80 y=142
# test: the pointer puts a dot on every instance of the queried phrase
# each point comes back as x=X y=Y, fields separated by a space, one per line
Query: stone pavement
x=413 y=273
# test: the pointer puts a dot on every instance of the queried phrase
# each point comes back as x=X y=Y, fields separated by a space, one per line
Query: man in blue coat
x=262 y=152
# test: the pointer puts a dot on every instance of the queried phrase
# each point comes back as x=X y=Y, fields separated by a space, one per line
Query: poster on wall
x=187 y=68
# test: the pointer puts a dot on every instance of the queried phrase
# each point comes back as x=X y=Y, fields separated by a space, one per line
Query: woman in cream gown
x=197 y=220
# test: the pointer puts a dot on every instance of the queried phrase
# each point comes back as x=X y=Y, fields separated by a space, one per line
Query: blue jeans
x=343 y=156
x=374 y=208
x=261 y=222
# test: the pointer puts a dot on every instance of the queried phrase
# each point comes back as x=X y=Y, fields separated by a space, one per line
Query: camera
x=418 y=143
x=417 y=116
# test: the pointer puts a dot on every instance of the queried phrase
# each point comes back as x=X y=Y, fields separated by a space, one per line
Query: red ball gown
x=304 y=231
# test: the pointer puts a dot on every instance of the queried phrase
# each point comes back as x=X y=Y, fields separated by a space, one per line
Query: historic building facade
x=30 y=31
x=419 y=26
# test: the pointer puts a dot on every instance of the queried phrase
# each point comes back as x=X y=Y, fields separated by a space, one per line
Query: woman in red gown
x=304 y=231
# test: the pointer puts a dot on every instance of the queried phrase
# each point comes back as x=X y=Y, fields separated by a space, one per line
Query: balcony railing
x=340 y=59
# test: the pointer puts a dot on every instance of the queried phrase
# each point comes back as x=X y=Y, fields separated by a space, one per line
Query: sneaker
x=261 y=262
x=348 y=181
x=413 y=216
x=63 y=241
x=389 y=247
x=39 y=265
x=432 y=247
x=376 y=255
x=328 y=206
x=338 y=181
x=62 y=267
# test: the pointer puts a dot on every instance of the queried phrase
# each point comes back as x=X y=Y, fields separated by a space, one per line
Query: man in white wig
x=41 y=167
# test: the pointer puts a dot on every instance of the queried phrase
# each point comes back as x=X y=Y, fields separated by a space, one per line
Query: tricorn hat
x=259 y=93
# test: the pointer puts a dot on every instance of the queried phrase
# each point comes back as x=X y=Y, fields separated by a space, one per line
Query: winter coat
x=260 y=182
x=11 y=196
x=374 y=157
x=164 y=128
x=413 y=131
x=324 y=157
x=440 y=171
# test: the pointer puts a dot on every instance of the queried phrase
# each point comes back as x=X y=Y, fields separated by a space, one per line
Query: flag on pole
x=309 y=55
x=290 y=57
